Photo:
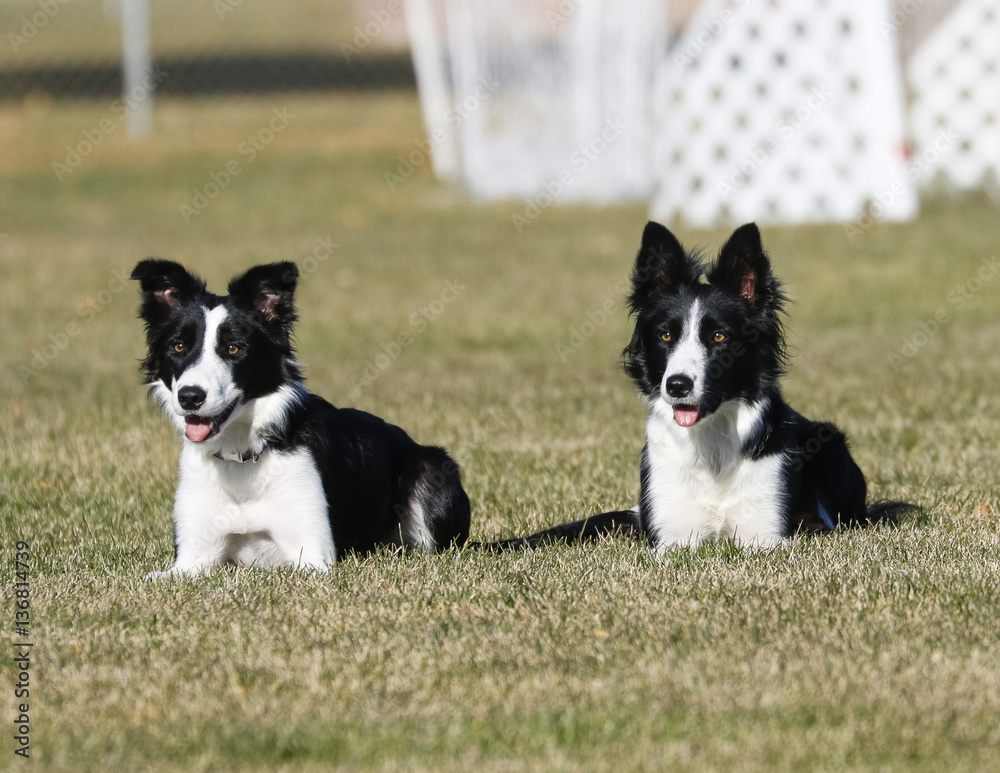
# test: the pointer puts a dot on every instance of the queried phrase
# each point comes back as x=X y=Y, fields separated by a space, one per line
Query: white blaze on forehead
x=210 y=342
x=210 y=372
x=213 y=319
x=689 y=357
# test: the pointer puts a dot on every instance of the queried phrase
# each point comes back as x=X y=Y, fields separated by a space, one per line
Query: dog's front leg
x=177 y=571
x=196 y=555
x=296 y=514
x=306 y=548
x=202 y=526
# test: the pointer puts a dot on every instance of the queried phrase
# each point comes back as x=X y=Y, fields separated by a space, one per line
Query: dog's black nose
x=679 y=386
x=191 y=398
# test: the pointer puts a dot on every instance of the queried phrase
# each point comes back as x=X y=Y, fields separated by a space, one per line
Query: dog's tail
x=888 y=512
x=884 y=511
x=584 y=530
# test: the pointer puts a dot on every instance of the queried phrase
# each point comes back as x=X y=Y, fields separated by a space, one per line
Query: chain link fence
x=73 y=48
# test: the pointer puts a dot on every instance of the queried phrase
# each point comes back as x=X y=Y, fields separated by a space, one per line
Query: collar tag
x=235 y=456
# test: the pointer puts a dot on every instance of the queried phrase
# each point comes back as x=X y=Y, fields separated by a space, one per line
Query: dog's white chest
x=701 y=488
x=269 y=513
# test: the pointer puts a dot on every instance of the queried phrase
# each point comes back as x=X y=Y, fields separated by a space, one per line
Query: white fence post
x=427 y=49
x=137 y=66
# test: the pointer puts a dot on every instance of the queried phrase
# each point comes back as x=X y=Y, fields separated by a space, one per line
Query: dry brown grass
x=866 y=651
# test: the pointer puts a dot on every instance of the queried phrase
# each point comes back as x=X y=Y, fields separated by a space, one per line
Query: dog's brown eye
x=719 y=337
x=666 y=337
x=179 y=347
x=232 y=349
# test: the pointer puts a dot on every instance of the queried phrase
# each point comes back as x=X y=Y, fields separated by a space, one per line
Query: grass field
x=865 y=651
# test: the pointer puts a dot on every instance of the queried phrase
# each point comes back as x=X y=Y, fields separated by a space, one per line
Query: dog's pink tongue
x=198 y=429
x=684 y=416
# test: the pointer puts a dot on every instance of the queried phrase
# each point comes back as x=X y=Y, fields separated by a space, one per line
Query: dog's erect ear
x=660 y=266
x=165 y=286
x=743 y=268
x=268 y=291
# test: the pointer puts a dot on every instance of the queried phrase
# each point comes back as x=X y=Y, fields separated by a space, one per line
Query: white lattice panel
x=954 y=75
x=782 y=112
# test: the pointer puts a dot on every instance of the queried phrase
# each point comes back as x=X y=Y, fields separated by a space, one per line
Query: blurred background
x=74 y=48
x=712 y=111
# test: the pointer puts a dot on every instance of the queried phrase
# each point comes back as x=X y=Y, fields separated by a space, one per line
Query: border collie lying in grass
x=271 y=475
x=725 y=455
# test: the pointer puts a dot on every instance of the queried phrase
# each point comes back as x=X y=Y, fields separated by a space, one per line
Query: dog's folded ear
x=268 y=291
x=744 y=269
x=661 y=265
x=165 y=286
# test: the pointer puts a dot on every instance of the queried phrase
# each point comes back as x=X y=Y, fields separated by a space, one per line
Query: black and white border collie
x=271 y=475
x=725 y=456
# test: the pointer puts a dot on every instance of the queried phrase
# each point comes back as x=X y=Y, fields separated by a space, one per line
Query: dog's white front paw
x=153 y=576
x=766 y=542
x=175 y=571
x=669 y=545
